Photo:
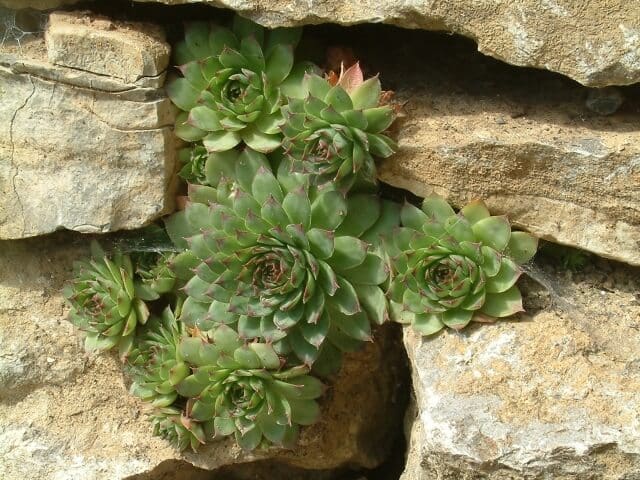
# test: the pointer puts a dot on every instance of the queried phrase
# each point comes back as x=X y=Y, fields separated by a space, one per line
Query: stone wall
x=87 y=144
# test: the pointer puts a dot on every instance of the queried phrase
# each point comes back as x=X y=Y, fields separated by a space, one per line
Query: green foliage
x=179 y=430
x=193 y=161
x=158 y=365
x=450 y=269
x=243 y=389
x=227 y=386
x=159 y=278
x=336 y=130
x=282 y=261
x=233 y=83
x=279 y=263
x=106 y=301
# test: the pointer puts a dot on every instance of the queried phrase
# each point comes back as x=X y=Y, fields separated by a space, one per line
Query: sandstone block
x=37 y=4
x=523 y=141
x=124 y=50
x=79 y=150
x=552 y=394
x=596 y=43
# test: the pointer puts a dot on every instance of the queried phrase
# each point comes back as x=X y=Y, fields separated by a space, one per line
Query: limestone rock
x=594 y=42
x=126 y=51
x=67 y=415
x=552 y=394
x=523 y=141
x=79 y=150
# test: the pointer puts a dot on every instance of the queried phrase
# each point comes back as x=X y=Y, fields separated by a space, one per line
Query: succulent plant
x=450 y=269
x=159 y=278
x=159 y=365
x=233 y=84
x=180 y=431
x=193 y=161
x=335 y=132
x=107 y=302
x=286 y=262
x=242 y=388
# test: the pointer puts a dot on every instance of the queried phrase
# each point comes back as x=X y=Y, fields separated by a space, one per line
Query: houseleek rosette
x=243 y=390
x=450 y=269
x=159 y=366
x=282 y=261
x=179 y=430
x=336 y=131
x=107 y=302
x=233 y=84
x=159 y=278
x=193 y=161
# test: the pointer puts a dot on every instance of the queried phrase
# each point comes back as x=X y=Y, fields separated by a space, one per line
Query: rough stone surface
x=126 y=51
x=37 y=4
x=594 y=42
x=67 y=415
x=79 y=150
x=523 y=141
x=553 y=394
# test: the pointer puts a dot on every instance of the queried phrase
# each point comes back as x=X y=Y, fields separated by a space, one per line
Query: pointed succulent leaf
x=494 y=232
x=506 y=277
x=298 y=207
x=436 y=208
x=259 y=141
x=245 y=28
x=279 y=63
x=522 y=247
x=348 y=252
x=503 y=304
x=367 y=94
x=328 y=210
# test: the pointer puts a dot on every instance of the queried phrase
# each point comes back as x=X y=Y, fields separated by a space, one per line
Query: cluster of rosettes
x=282 y=259
x=241 y=87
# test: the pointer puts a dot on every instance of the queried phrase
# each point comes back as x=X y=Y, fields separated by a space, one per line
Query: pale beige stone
x=37 y=4
x=523 y=141
x=594 y=42
x=552 y=394
x=79 y=150
x=127 y=51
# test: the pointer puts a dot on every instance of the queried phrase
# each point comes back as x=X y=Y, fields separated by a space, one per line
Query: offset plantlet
x=335 y=132
x=171 y=424
x=243 y=390
x=451 y=269
x=193 y=161
x=159 y=365
x=106 y=301
x=282 y=261
x=234 y=83
x=160 y=278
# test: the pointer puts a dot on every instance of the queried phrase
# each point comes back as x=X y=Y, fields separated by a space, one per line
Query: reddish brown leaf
x=351 y=77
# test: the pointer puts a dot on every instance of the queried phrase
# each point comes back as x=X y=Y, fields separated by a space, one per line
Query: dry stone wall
x=86 y=144
x=86 y=140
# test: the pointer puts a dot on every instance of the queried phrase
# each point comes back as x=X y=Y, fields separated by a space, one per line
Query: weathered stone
x=80 y=150
x=124 y=50
x=596 y=43
x=67 y=415
x=523 y=141
x=37 y=4
x=552 y=394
